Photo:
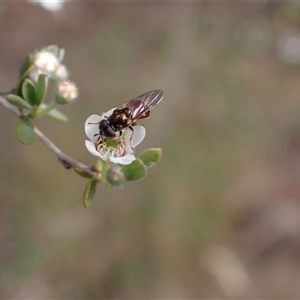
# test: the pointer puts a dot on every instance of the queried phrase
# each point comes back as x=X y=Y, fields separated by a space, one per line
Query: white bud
x=61 y=73
x=65 y=92
x=46 y=62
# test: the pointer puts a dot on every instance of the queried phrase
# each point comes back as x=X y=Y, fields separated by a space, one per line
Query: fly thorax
x=118 y=120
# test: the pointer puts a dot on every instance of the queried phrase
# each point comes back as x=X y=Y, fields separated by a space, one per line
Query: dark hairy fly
x=126 y=115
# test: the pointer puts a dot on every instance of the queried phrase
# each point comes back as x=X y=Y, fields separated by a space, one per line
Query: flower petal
x=138 y=134
x=124 y=160
x=91 y=148
x=92 y=129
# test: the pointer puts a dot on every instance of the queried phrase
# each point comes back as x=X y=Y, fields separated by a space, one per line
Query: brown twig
x=67 y=161
x=7 y=92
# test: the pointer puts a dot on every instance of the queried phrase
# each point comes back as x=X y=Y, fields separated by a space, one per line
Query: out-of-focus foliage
x=220 y=216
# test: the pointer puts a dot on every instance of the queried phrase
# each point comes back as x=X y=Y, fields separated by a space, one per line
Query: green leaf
x=54 y=50
x=24 y=71
x=135 y=171
x=28 y=91
x=41 y=88
x=18 y=102
x=57 y=115
x=26 y=64
x=25 y=131
x=151 y=157
x=48 y=109
x=89 y=192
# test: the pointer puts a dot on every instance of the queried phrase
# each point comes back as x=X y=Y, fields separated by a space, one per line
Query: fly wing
x=142 y=104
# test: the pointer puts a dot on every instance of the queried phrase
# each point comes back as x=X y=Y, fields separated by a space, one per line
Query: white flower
x=50 y=5
x=46 y=62
x=118 y=150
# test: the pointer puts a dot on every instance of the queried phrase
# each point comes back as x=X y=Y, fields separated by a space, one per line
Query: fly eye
x=109 y=132
x=103 y=124
x=106 y=129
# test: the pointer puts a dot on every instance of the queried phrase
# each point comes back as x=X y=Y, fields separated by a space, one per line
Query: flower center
x=113 y=148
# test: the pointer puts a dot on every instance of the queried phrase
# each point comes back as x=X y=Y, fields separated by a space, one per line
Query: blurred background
x=219 y=217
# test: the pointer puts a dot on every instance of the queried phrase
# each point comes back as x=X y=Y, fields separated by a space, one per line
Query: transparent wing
x=142 y=104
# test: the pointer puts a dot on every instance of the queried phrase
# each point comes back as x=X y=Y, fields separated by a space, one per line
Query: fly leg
x=132 y=131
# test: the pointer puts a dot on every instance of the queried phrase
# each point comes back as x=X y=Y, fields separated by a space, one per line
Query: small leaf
x=57 y=115
x=28 y=91
x=49 y=110
x=135 y=171
x=89 y=192
x=151 y=157
x=41 y=88
x=61 y=55
x=18 y=102
x=25 y=131
x=26 y=64
x=53 y=49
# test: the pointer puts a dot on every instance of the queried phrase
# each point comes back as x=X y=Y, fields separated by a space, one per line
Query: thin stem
x=7 y=92
x=47 y=109
x=67 y=161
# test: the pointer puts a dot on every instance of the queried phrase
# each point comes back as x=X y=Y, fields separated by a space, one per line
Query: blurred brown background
x=219 y=217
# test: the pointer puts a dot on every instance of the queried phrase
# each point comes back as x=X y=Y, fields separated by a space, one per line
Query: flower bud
x=61 y=73
x=65 y=92
x=115 y=176
x=46 y=62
